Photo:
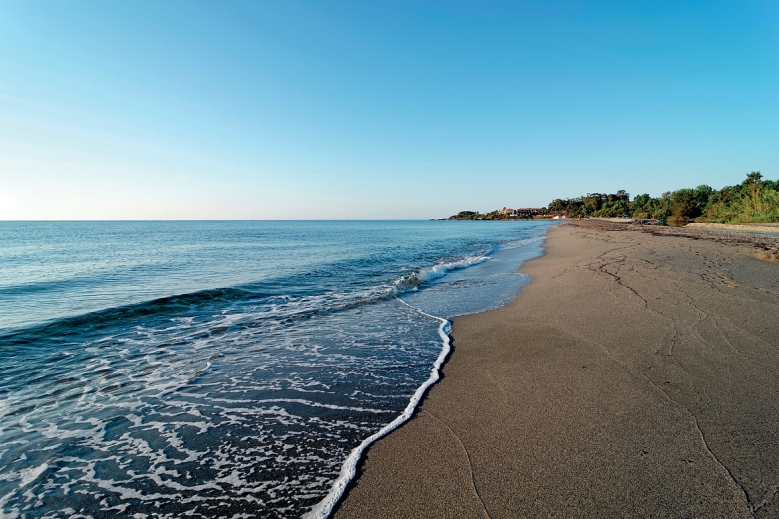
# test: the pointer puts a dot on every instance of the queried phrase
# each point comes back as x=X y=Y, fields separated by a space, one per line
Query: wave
x=36 y=286
x=286 y=299
x=427 y=274
x=166 y=306
x=265 y=303
x=515 y=244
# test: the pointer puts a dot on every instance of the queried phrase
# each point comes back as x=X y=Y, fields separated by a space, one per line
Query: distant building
x=528 y=212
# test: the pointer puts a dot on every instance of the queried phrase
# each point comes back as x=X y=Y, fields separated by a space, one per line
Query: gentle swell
x=166 y=306
x=349 y=468
x=185 y=304
x=190 y=304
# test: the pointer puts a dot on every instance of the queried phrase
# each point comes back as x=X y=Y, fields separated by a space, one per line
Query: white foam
x=515 y=244
x=27 y=476
x=348 y=470
x=7 y=514
x=437 y=271
x=317 y=404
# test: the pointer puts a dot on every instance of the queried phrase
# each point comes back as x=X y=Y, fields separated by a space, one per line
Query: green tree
x=557 y=206
x=753 y=184
x=643 y=206
x=613 y=209
x=754 y=200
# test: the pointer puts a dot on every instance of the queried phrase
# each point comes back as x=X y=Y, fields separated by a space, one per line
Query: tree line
x=492 y=215
x=753 y=201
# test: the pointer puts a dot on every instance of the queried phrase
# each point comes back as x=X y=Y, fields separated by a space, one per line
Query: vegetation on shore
x=754 y=200
x=492 y=215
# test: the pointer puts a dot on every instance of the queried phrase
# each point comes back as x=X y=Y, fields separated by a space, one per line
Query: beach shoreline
x=635 y=376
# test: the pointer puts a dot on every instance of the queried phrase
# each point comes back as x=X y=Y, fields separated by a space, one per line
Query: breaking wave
x=427 y=274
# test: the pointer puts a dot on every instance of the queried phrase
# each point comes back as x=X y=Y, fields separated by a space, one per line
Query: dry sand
x=636 y=376
x=761 y=227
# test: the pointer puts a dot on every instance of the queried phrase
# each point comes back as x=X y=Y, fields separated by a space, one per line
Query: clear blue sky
x=284 y=109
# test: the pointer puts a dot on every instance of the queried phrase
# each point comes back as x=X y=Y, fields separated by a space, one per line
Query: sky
x=376 y=110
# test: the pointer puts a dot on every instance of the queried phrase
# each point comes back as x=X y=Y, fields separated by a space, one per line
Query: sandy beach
x=637 y=375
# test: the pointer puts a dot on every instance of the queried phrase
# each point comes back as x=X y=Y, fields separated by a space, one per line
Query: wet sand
x=636 y=376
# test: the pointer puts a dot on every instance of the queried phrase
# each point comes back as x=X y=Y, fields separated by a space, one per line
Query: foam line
x=349 y=468
x=427 y=274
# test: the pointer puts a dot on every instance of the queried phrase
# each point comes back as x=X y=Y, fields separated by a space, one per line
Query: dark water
x=221 y=369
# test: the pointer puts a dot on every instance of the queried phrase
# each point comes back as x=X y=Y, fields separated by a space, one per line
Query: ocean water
x=223 y=369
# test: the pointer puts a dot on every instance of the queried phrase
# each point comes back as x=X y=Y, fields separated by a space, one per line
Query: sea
x=225 y=369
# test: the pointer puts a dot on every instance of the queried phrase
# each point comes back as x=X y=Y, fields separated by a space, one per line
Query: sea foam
x=348 y=470
x=427 y=274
